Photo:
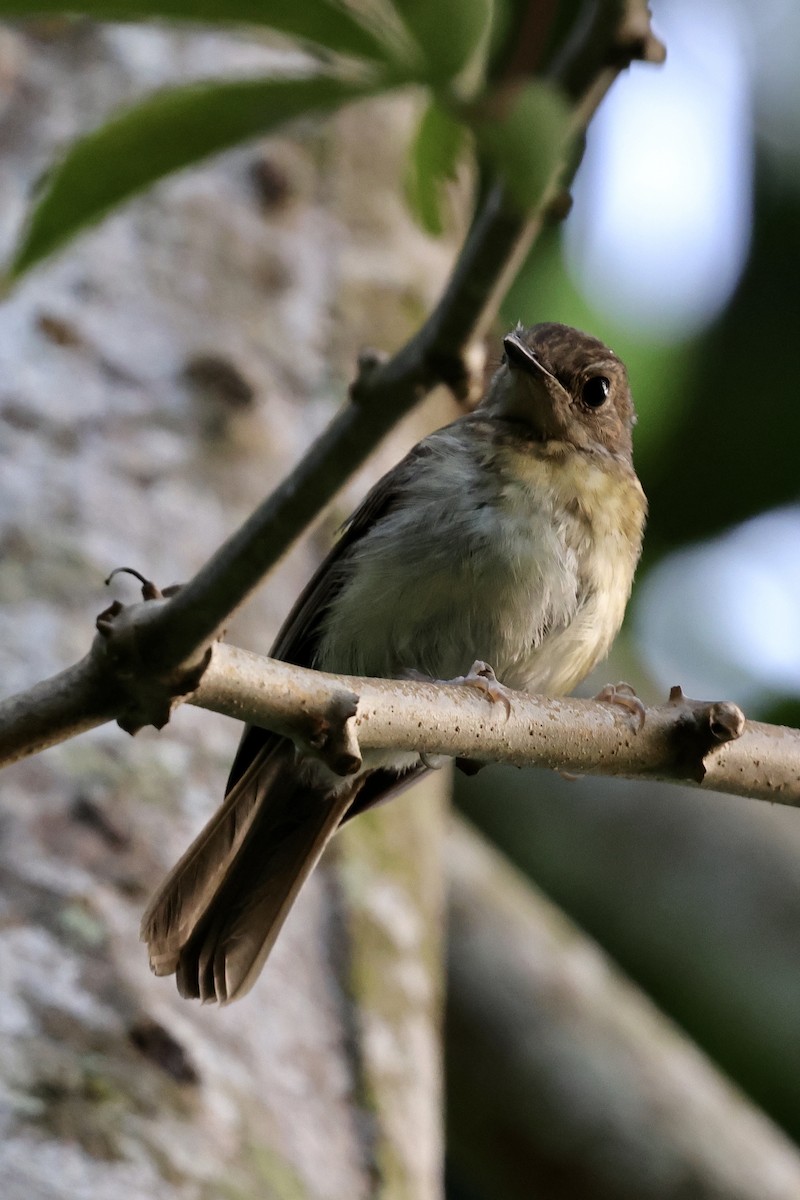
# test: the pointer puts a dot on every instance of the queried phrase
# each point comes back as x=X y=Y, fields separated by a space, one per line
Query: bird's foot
x=482 y=677
x=622 y=695
x=433 y=762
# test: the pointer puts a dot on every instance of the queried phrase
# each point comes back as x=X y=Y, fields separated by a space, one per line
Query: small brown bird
x=511 y=535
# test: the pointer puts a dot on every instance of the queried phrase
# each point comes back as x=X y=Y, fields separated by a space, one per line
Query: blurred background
x=157 y=379
x=681 y=252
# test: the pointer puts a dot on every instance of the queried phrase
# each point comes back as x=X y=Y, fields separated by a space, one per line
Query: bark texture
x=157 y=380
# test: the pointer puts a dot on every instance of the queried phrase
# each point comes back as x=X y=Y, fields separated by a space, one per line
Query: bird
x=510 y=535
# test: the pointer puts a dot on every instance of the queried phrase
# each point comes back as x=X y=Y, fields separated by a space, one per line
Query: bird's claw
x=482 y=677
x=622 y=695
x=432 y=762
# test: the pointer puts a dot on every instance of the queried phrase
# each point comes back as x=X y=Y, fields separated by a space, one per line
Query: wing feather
x=217 y=914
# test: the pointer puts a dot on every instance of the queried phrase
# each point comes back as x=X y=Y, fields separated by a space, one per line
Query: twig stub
x=150 y=695
x=703 y=727
x=332 y=735
x=150 y=590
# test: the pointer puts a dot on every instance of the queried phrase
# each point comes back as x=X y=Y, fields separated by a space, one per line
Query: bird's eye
x=595 y=391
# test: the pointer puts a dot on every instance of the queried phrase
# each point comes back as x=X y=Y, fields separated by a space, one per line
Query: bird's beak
x=534 y=397
x=520 y=357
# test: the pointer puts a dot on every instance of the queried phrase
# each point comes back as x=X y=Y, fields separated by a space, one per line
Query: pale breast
x=492 y=560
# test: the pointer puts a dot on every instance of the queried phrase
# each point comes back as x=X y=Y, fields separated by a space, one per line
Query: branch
x=338 y=717
x=151 y=656
x=697 y=742
x=72 y=702
x=383 y=393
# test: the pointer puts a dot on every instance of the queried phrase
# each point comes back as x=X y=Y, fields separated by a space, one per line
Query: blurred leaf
x=320 y=21
x=527 y=141
x=168 y=131
x=448 y=32
x=433 y=160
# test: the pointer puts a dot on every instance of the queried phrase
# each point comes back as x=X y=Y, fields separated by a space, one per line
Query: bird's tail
x=216 y=916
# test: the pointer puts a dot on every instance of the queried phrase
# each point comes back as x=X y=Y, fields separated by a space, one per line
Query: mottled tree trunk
x=156 y=381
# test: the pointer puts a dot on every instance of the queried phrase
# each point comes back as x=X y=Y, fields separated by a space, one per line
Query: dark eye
x=595 y=391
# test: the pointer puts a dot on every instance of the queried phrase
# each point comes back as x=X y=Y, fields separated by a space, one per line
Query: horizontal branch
x=338 y=717
x=678 y=741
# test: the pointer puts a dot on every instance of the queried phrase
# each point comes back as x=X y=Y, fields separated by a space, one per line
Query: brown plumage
x=511 y=536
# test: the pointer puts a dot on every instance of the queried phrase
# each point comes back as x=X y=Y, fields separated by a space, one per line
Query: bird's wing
x=218 y=912
x=298 y=638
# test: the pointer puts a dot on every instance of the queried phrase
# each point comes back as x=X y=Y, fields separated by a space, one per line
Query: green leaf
x=448 y=32
x=433 y=160
x=168 y=131
x=527 y=140
x=322 y=21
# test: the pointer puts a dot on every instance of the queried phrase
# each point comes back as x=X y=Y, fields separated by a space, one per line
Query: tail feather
x=227 y=948
x=216 y=917
x=187 y=890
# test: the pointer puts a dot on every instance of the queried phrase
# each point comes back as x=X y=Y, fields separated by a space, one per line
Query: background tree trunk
x=157 y=380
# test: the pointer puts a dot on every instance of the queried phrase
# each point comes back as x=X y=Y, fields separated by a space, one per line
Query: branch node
x=636 y=41
x=726 y=721
x=153 y=700
x=369 y=363
x=105 y=620
x=559 y=207
x=332 y=735
x=150 y=590
x=150 y=694
x=702 y=727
